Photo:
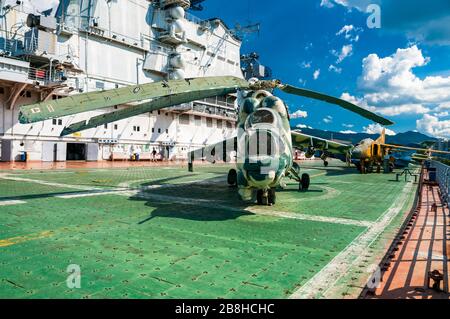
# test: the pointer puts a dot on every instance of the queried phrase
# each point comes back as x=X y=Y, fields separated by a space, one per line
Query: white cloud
x=348 y=125
x=388 y=110
x=357 y=101
x=443 y=106
x=428 y=23
x=303 y=126
x=301 y=81
x=328 y=119
x=350 y=32
x=348 y=132
x=377 y=129
x=361 y=5
x=316 y=74
x=327 y=3
x=335 y=69
x=403 y=109
x=346 y=51
x=442 y=114
x=431 y=125
x=306 y=65
x=299 y=114
x=391 y=87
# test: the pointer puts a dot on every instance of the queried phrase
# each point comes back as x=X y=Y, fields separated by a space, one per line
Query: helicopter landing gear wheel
x=304 y=183
x=262 y=198
x=272 y=197
x=232 y=177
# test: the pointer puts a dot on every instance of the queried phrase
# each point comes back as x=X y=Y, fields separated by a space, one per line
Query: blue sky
x=401 y=70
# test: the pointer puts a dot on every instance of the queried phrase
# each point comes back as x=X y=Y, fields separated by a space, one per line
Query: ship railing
x=443 y=178
x=31 y=44
x=182 y=107
x=116 y=36
x=39 y=75
x=213 y=109
x=200 y=107
x=156 y=47
x=9 y=46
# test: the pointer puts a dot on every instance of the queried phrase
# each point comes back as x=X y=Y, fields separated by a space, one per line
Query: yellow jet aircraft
x=369 y=155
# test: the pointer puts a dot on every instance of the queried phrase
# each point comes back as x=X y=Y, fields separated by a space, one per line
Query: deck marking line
x=20 y=239
x=207 y=204
x=29 y=180
x=91 y=194
x=316 y=218
x=327 y=277
x=11 y=202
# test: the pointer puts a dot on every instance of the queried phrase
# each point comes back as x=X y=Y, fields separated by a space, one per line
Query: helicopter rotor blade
x=90 y=101
x=142 y=108
x=333 y=100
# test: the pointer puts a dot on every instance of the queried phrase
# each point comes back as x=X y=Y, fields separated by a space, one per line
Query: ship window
x=211 y=100
x=159 y=112
x=54 y=121
x=136 y=128
x=159 y=130
x=99 y=85
x=184 y=119
x=167 y=131
x=59 y=121
x=222 y=100
x=209 y=122
x=106 y=126
x=229 y=125
x=219 y=124
x=198 y=120
x=116 y=127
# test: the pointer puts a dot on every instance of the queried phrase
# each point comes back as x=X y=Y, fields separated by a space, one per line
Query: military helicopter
x=263 y=123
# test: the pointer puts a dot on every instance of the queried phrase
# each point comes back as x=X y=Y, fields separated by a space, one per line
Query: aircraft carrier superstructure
x=76 y=46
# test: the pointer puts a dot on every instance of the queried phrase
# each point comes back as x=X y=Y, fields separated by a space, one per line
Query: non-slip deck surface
x=161 y=232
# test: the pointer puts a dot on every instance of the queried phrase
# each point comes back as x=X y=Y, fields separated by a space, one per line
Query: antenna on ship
x=252 y=68
x=196 y=5
x=242 y=32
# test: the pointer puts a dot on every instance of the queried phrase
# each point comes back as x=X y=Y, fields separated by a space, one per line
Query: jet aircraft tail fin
x=382 y=138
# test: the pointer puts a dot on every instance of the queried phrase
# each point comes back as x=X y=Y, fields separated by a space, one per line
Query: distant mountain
x=408 y=138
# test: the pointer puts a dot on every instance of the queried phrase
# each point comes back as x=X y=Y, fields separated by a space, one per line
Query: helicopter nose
x=263 y=149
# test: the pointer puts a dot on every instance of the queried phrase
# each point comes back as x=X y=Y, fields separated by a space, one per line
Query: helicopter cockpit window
x=262 y=116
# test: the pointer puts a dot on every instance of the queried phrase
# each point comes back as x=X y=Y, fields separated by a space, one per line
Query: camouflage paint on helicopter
x=263 y=123
x=264 y=153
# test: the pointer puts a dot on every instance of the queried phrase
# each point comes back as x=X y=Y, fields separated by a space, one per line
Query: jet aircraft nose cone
x=356 y=153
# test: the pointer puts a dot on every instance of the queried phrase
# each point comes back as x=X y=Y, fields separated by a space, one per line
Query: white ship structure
x=76 y=46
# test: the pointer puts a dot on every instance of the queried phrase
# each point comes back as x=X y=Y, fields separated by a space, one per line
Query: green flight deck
x=162 y=232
